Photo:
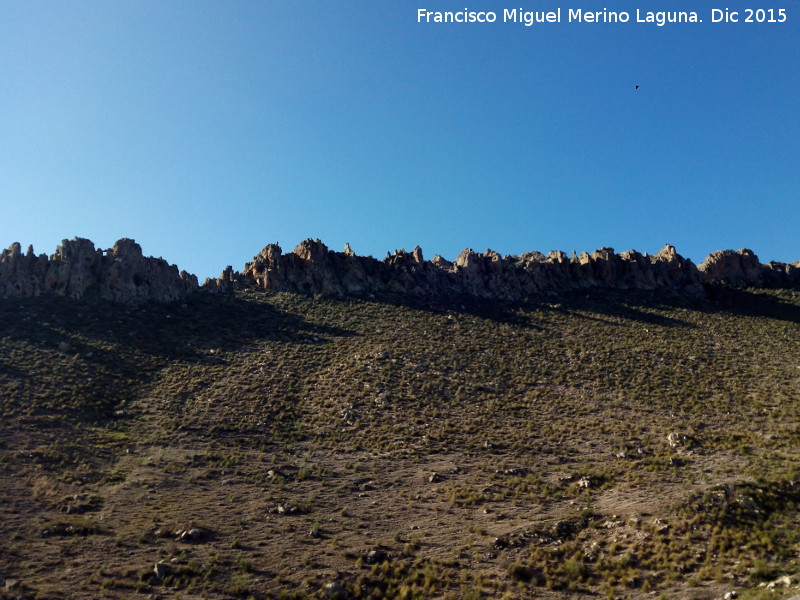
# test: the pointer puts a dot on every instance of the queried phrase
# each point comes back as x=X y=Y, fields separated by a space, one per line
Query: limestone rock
x=124 y=274
x=11 y=584
x=162 y=569
x=312 y=268
x=677 y=440
x=740 y=268
x=77 y=269
x=377 y=556
x=335 y=591
x=194 y=534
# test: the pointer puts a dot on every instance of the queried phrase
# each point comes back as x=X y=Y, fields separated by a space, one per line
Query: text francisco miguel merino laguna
x=579 y=15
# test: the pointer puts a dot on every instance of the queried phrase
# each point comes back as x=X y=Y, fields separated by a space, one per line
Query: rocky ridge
x=123 y=274
x=78 y=269
x=743 y=269
x=312 y=268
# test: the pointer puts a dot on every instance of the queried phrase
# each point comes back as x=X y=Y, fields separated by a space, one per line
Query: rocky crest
x=123 y=274
x=313 y=268
x=77 y=269
x=743 y=269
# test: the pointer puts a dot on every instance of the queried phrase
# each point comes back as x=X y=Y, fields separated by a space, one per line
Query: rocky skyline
x=123 y=274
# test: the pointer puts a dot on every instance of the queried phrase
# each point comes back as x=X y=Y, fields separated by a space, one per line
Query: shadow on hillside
x=638 y=306
x=751 y=303
x=600 y=305
x=83 y=359
x=203 y=325
x=492 y=310
x=195 y=329
x=614 y=307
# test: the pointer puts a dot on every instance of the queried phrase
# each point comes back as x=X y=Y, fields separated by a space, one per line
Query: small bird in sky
x=637 y=87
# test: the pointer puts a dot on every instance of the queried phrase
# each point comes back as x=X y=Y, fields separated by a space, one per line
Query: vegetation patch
x=290 y=446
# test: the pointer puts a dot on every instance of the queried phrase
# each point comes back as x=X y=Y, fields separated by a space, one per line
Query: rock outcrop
x=313 y=268
x=743 y=269
x=77 y=269
x=123 y=274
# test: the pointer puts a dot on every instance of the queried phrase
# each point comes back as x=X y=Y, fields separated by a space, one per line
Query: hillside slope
x=278 y=445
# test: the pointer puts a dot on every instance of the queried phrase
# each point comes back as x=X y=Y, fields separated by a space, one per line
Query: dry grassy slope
x=483 y=451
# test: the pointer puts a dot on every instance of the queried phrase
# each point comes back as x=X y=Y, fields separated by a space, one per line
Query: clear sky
x=205 y=130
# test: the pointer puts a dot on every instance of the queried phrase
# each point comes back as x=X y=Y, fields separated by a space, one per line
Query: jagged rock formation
x=77 y=269
x=743 y=269
x=123 y=274
x=313 y=268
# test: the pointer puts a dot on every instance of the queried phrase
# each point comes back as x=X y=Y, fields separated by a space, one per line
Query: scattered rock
x=374 y=557
x=275 y=473
x=11 y=584
x=612 y=524
x=500 y=543
x=59 y=529
x=195 y=534
x=661 y=526
x=162 y=532
x=335 y=591
x=434 y=478
x=79 y=504
x=162 y=569
x=591 y=550
x=585 y=482
x=784 y=581
x=564 y=529
x=286 y=509
x=513 y=471
x=677 y=440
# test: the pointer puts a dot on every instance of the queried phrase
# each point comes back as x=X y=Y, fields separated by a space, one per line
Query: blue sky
x=205 y=130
